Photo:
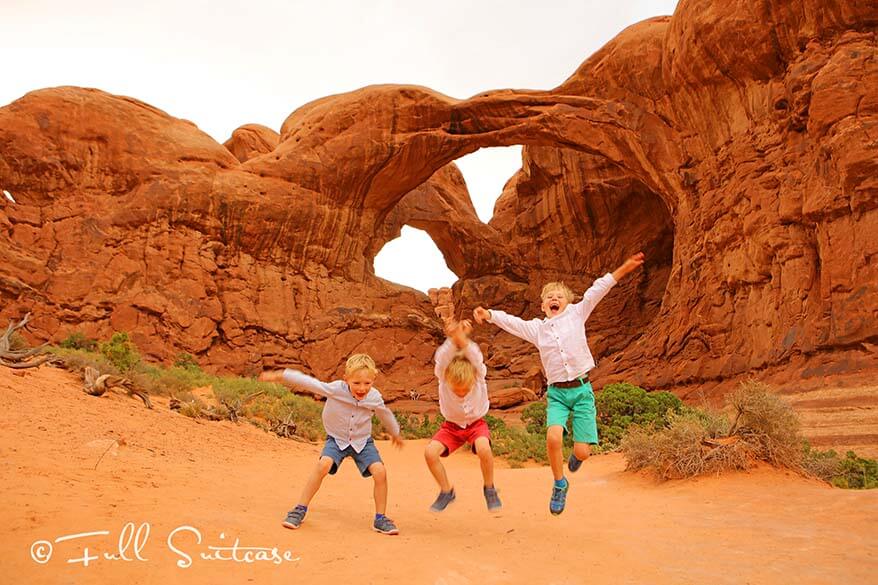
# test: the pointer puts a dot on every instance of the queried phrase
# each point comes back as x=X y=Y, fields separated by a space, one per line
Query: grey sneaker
x=573 y=464
x=492 y=499
x=442 y=500
x=295 y=517
x=385 y=525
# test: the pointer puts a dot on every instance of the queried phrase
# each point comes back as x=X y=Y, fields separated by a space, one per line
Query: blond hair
x=360 y=361
x=460 y=372
x=553 y=286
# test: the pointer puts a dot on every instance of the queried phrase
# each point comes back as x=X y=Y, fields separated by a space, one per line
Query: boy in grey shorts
x=347 y=418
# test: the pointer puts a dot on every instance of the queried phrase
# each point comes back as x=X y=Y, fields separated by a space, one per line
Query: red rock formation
x=252 y=140
x=733 y=142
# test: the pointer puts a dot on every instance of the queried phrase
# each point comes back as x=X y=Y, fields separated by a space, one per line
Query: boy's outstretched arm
x=297 y=379
x=527 y=330
x=602 y=285
x=630 y=265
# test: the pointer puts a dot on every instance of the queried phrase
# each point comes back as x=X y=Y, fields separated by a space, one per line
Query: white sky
x=224 y=63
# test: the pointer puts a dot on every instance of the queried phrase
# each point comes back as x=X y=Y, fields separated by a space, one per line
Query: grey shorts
x=363 y=459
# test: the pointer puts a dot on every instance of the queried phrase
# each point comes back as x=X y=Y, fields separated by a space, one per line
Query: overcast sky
x=224 y=63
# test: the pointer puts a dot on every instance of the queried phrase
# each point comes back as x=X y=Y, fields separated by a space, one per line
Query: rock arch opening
x=412 y=259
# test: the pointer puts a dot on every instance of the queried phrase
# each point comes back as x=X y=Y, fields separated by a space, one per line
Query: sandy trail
x=760 y=527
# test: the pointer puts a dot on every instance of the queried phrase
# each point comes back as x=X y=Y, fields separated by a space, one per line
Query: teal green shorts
x=580 y=402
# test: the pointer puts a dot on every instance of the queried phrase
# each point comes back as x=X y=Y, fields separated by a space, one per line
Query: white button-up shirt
x=346 y=419
x=561 y=339
x=467 y=410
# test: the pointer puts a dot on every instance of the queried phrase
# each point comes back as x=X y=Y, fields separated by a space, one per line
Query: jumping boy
x=463 y=401
x=347 y=418
x=566 y=358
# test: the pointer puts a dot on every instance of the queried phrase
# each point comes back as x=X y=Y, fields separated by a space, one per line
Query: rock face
x=252 y=140
x=735 y=143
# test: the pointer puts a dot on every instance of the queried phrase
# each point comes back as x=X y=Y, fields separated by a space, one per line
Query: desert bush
x=186 y=361
x=686 y=447
x=163 y=381
x=534 y=417
x=412 y=426
x=622 y=405
x=516 y=444
x=304 y=412
x=78 y=359
x=857 y=472
x=121 y=352
x=761 y=426
x=850 y=472
x=193 y=408
x=269 y=402
x=17 y=342
x=78 y=340
x=767 y=423
x=618 y=407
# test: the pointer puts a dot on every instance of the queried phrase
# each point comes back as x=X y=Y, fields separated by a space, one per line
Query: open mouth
x=554 y=306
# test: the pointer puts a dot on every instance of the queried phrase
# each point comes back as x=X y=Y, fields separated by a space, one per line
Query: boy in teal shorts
x=560 y=338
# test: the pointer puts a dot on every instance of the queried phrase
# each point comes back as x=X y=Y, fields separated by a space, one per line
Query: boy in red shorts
x=463 y=401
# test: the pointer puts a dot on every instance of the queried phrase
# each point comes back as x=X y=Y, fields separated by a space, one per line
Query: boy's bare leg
x=324 y=464
x=554 y=443
x=379 y=474
x=581 y=451
x=432 y=454
x=486 y=460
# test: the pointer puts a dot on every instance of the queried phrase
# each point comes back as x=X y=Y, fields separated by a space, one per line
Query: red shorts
x=453 y=436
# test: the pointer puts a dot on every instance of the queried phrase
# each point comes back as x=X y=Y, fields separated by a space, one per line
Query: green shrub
x=77 y=340
x=852 y=472
x=534 y=417
x=621 y=405
x=270 y=402
x=412 y=426
x=279 y=405
x=186 y=361
x=517 y=445
x=79 y=359
x=121 y=352
x=857 y=472
x=164 y=381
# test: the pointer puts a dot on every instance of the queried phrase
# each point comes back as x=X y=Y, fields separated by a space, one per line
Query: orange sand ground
x=761 y=527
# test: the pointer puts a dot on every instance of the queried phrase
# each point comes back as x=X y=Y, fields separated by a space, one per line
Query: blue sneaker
x=442 y=501
x=295 y=517
x=492 y=499
x=385 y=525
x=559 y=498
x=573 y=464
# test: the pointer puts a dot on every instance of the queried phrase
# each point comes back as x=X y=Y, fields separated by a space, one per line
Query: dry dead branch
x=97 y=384
x=19 y=359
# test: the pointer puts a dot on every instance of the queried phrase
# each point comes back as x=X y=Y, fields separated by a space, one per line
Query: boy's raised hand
x=458 y=331
x=481 y=314
x=630 y=265
x=398 y=442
